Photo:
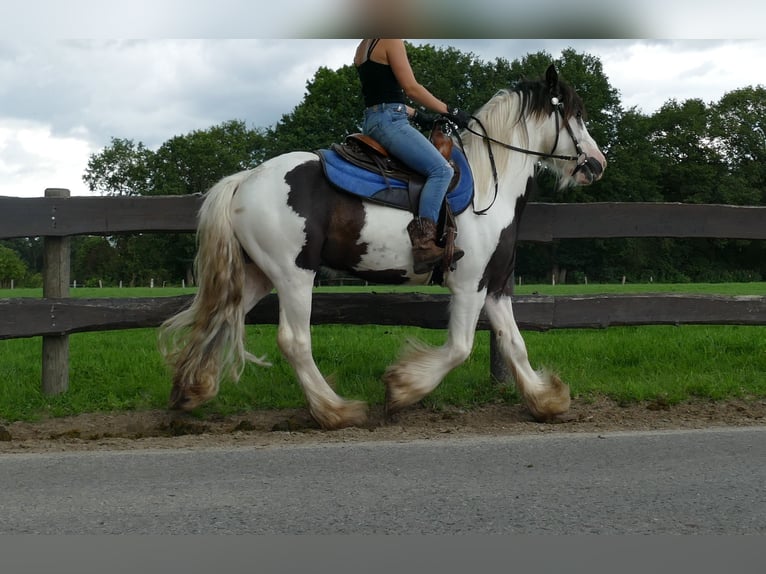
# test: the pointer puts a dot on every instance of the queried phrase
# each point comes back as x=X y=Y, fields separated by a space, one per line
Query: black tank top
x=379 y=85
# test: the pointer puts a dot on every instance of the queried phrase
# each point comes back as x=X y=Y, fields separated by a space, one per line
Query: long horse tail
x=206 y=340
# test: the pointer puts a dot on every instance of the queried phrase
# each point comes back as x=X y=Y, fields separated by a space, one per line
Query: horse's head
x=573 y=154
x=542 y=120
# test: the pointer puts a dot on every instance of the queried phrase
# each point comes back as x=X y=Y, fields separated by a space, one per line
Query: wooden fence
x=57 y=216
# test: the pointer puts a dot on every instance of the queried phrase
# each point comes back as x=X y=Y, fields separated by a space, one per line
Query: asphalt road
x=690 y=482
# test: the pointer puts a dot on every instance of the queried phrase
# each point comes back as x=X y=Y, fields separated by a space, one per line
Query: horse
x=273 y=226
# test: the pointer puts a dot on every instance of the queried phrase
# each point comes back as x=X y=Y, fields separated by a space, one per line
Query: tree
x=185 y=164
x=738 y=125
x=193 y=162
x=634 y=168
x=691 y=167
x=29 y=249
x=189 y=163
x=460 y=79
x=331 y=109
x=121 y=168
x=12 y=268
x=94 y=259
x=738 y=130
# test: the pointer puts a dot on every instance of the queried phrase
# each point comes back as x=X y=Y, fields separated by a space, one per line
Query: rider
x=387 y=80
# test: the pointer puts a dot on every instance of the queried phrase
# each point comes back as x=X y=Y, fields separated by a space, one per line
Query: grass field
x=122 y=370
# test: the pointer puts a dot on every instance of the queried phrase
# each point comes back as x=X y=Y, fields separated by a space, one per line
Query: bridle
x=582 y=159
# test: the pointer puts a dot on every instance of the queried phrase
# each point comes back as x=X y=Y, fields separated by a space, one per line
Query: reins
x=490 y=140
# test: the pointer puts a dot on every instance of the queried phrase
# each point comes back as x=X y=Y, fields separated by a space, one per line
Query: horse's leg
x=546 y=396
x=421 y=368
x=257 y=286
x=294 y=339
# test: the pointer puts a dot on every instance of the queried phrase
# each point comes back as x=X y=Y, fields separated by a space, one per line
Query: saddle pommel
x=442 y=142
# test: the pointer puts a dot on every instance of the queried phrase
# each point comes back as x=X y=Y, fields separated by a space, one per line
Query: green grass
x=95 y=292
x=122 y=370
x=754 y=288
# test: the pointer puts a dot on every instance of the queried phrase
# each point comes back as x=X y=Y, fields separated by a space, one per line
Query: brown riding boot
x=425 y=252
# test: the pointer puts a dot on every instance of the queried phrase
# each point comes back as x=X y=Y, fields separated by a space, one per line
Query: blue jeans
x=388 y=124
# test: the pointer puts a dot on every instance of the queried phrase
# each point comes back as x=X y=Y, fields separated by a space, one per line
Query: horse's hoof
x=348 y=414
x=391 y=407
x=180 y=401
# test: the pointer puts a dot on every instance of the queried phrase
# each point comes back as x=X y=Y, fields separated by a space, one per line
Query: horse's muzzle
x=590 y=170
x=595 y=167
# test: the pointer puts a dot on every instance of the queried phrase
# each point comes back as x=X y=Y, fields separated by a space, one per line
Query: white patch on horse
x=385 y=235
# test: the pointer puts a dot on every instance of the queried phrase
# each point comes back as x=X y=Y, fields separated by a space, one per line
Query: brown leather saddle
x=367 y=153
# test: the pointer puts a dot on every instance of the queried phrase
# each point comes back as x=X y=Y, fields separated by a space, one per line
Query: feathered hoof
x=347 y=414
x=400 y=392
x=395 y=402
x=550 y=405
x=185 y=396
x=180 y=401
x=183 y=400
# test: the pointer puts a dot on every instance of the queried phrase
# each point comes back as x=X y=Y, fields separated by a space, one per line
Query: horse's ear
x=552 y=79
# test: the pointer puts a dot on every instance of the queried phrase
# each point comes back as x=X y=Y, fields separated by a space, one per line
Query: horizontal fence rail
x=33 y=317
x=541 y=222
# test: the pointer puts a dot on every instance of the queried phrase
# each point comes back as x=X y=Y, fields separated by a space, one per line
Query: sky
x=75 y=74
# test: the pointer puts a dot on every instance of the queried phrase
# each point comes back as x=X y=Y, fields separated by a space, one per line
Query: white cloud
x=33 y=159
x=650 y=73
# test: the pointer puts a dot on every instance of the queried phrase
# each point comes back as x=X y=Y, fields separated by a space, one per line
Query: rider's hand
x=423 y=120
x=458 y=117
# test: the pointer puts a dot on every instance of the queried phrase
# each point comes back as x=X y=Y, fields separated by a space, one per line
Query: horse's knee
x=292 y=344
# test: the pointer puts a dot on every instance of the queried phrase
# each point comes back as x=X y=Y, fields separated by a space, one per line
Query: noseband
x=582 y=159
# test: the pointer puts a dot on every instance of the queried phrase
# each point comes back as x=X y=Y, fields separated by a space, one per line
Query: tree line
x=688 y=151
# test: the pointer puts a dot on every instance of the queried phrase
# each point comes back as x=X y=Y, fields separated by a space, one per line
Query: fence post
x=497 y=366
x=56 y=269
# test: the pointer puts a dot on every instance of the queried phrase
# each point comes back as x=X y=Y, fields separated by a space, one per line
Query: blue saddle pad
x=394 y=192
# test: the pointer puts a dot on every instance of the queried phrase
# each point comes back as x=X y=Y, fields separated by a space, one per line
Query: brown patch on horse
x=343 y=235
x=334 y=222
x=498 y=272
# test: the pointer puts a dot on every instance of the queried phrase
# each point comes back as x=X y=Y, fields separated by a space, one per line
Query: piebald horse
x=272 y=227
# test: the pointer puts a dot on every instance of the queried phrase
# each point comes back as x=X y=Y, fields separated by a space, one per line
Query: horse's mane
x=505 y=117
